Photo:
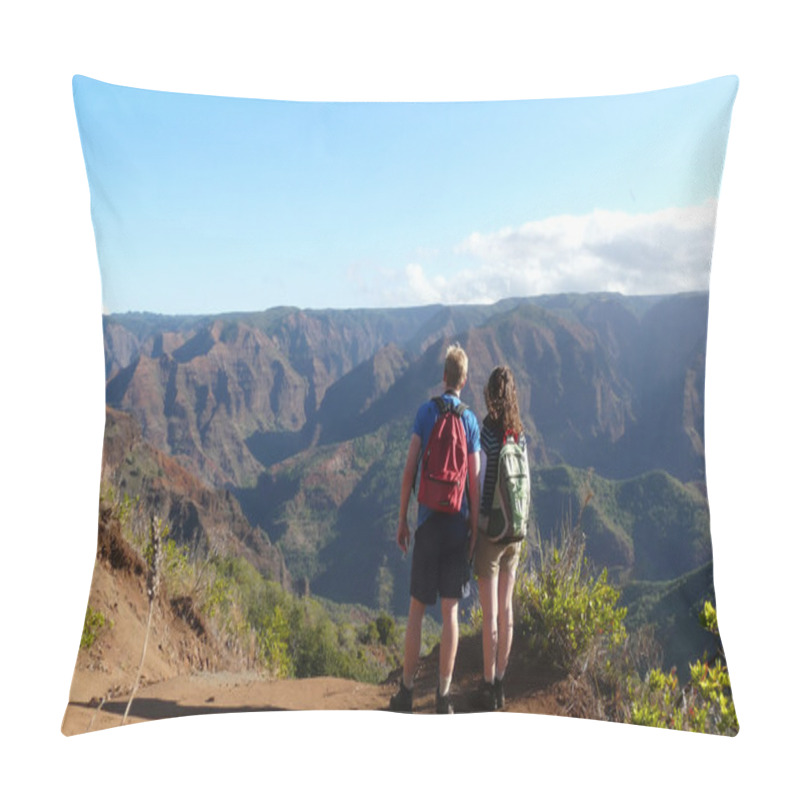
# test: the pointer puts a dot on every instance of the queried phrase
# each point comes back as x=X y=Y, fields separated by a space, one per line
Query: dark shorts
x=440 y=561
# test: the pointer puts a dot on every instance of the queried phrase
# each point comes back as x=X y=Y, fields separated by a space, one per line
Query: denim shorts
x=440 y=561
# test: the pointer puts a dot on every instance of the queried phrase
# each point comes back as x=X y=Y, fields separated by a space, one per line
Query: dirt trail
x=230 y=692
x=185 y=674
x=222 y=693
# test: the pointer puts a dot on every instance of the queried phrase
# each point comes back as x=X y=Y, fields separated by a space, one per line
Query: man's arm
x=474 y=486
x=409 y=473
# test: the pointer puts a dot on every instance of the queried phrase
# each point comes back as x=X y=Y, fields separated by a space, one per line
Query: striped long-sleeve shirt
x=491 y=444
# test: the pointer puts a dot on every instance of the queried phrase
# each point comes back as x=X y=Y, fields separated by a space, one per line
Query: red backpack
x=444 y=461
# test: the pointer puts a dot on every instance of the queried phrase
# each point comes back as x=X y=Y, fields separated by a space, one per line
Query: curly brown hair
x=501 y=400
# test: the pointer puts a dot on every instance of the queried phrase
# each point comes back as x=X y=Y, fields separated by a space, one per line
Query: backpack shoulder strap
x=457 y=408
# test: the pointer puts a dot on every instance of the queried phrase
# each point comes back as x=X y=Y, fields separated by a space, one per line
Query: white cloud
x=662 y=252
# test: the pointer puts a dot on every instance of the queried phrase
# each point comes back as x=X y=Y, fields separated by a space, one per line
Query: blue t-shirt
x=423 y=427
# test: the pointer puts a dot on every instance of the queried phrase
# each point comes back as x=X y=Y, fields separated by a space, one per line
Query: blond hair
x=455 y=366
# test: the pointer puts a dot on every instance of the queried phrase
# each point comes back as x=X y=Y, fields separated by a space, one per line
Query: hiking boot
x=444 y=705
x=499 y=694
x=402 y=700
x=485 y=698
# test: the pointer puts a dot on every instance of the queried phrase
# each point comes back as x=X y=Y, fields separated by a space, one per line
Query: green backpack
x=508 y=519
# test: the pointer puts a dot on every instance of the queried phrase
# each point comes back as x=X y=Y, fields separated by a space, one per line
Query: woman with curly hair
x=496 y=562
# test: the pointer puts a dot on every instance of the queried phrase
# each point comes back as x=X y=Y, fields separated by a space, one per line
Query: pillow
x=282 y=282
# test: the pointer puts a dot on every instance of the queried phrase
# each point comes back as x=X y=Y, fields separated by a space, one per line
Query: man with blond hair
x=444 y=539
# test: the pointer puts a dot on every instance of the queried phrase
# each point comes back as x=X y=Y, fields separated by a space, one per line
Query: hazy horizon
x=322 y=309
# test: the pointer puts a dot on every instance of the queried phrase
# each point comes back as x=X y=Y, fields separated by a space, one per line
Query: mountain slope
x=672 y=609
x=605 y=381
x=205 y=519
x=305 y=417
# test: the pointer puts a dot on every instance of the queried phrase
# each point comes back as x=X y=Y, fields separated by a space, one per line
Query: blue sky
x=207 y=204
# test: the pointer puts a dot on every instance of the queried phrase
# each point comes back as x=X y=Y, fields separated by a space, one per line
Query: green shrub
x=93 y=623
x=566 y=614
x=703 y=705
x=315 y=650
x=177 y=570
x=387 y=632
x=368 y=634
x=217 y=595
x=273 y=643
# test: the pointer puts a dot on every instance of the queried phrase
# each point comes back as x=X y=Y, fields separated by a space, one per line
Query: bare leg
x=505 y=634
x=449 y=645
x=487 y=591
x=413 y=640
